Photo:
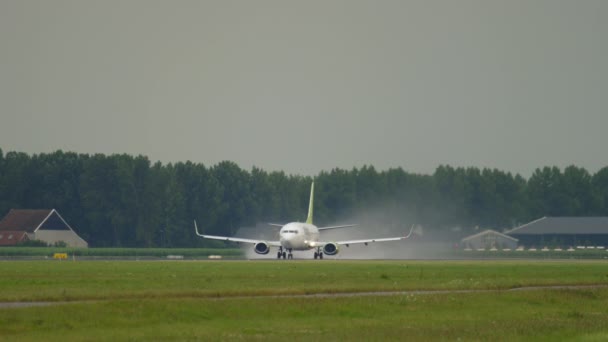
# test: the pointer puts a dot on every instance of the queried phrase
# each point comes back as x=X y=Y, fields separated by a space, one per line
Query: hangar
x=37 y=224
x=489 y=239
x=563 y=231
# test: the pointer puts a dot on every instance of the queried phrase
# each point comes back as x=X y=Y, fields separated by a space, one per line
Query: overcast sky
x=305 y=86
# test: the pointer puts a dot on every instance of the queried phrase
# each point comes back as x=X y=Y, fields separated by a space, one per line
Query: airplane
x=301 y=236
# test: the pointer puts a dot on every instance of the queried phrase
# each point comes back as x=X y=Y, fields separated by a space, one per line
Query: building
x=11 y=238
x=489 y=239
x=45 y=225
x=563 y=232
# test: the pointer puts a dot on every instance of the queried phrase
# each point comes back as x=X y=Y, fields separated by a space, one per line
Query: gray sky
x=305 y=86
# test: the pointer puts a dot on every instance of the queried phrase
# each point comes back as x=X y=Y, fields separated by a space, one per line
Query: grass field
x=200 y=300
x=8 y=252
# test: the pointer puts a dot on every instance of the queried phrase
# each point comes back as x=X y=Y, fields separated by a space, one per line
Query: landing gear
x=318 y=254
x=284 y=253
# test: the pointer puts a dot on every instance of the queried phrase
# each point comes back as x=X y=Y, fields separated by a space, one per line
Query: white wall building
x=41 y=224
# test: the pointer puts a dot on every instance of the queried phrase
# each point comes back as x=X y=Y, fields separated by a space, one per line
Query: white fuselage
x=299 y=236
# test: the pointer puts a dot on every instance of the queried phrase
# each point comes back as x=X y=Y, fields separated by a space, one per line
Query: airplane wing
x=235 y=239
x=334 y=227
x=366 y=241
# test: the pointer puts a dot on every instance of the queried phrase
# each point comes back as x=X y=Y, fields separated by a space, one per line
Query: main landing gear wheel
x=319 y=255
x=280 y=253
x=283 y=253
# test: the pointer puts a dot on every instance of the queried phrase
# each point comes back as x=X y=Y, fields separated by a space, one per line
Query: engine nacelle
x=331 y=248
x=261 y=248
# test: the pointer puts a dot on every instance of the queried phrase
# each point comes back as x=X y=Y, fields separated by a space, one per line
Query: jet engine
x=261 y=248
x=331 y=248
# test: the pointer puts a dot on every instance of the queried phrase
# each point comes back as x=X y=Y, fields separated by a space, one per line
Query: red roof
x=26 y=220
x=9 y=238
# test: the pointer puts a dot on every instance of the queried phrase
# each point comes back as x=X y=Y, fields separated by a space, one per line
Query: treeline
x=126 y=201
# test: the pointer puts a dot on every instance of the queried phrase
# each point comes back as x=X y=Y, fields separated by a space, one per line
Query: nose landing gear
x=285 y=254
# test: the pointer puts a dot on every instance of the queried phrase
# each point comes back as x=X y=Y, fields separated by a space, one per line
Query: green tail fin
x=310 y=204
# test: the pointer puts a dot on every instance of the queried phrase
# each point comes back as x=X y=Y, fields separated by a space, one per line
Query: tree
x=236 y=196
x=546 y=194
x=101 y=201
x=121 y=200
x=577 y=187
x=335 y=195
x=600 y=187
x=16 y=181
x=175 y=214
x=450 y=184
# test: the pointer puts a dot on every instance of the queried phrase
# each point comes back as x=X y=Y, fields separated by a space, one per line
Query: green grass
x=538 y=316
x=177 y=301
x=119 y=252
x=69 y=280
